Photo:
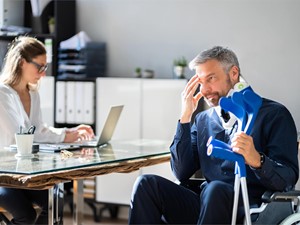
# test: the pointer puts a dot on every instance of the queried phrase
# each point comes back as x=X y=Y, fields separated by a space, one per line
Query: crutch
x=238 y=104
x=240 y=178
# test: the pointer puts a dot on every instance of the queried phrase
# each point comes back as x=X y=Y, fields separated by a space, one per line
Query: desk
x=45 y=170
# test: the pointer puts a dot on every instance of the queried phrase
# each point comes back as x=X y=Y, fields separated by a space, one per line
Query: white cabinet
x=46 y=91
x=116 y=188
x=119 y=91
x=151 y=110
x=161 y=106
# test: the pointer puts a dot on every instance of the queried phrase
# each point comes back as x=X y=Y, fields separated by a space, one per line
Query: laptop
x=105 y=136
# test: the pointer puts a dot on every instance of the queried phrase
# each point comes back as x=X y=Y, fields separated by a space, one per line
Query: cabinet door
x=47 y=99
x=119 y=91
x=162 y=169
x=161 y=107
x=116 y=188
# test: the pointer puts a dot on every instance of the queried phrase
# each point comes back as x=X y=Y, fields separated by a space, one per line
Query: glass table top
x=116 y=151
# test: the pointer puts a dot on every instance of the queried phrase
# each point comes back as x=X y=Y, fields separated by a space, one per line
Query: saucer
x=24 y=156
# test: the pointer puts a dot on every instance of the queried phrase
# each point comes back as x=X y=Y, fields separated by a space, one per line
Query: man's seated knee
x=216 y=190
x=150 y=179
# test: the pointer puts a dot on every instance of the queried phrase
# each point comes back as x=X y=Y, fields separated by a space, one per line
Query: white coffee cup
x=24 y=144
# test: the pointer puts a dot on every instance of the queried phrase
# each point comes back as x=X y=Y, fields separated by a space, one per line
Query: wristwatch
x=262 y=159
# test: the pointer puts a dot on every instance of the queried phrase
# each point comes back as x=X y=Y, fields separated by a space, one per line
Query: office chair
x=4 y=216
x=3 y=219
x=57 y=207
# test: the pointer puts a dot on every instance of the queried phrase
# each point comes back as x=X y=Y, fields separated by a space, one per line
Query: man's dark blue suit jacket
x=274 y=134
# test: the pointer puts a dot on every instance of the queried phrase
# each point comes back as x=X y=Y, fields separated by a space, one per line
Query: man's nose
x=205 y=89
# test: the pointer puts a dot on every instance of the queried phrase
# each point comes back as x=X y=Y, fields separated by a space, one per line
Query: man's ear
x=21 y=62
x=234 y=74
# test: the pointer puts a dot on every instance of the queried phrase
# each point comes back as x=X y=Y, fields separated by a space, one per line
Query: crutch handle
x=217 y=143
x=228 y=155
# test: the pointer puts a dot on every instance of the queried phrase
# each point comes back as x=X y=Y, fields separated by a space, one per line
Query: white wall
x=265 y=34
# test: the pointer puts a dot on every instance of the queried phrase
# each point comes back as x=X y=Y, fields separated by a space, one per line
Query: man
x=270 y=152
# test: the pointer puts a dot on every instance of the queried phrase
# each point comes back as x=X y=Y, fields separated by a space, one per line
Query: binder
x=88 y=102
x=60 y=105
x=84 y=102
x=79 y=101
x=70 y=102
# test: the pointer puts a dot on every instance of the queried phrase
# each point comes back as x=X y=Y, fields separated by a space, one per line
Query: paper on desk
x=38 y=6
x=78 y=41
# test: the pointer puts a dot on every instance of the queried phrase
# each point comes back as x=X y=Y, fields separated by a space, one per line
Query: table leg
x=50 y=206
x=56 y=204
x=59 y=203
x=78 y=202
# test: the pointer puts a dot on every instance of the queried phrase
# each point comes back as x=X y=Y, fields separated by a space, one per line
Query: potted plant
x=51 y=24
x=179 y=66
x=138 y=72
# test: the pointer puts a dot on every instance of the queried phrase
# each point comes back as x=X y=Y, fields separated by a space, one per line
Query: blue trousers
x=156 y=200
x=18 y=203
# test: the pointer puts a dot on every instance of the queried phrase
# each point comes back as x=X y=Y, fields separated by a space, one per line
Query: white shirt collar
x=229 y=124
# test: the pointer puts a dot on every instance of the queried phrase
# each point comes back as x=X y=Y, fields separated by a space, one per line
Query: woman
x=25 y=64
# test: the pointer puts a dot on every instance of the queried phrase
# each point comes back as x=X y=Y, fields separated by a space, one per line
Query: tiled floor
x=89 y=220
x=105 y=215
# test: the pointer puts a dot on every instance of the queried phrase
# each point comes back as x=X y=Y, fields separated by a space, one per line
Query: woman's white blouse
x=13 y=115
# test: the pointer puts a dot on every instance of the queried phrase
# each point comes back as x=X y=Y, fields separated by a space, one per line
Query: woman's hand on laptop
x=79 y=133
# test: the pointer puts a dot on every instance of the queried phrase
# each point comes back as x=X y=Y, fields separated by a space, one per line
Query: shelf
x=64 y=14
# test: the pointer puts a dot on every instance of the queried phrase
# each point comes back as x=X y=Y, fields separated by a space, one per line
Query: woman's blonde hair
x=22 y=47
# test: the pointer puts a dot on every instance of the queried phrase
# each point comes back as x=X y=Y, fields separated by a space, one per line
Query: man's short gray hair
x=223 y=55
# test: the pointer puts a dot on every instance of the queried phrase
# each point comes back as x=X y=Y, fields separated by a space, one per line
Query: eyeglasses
x=40 y=68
